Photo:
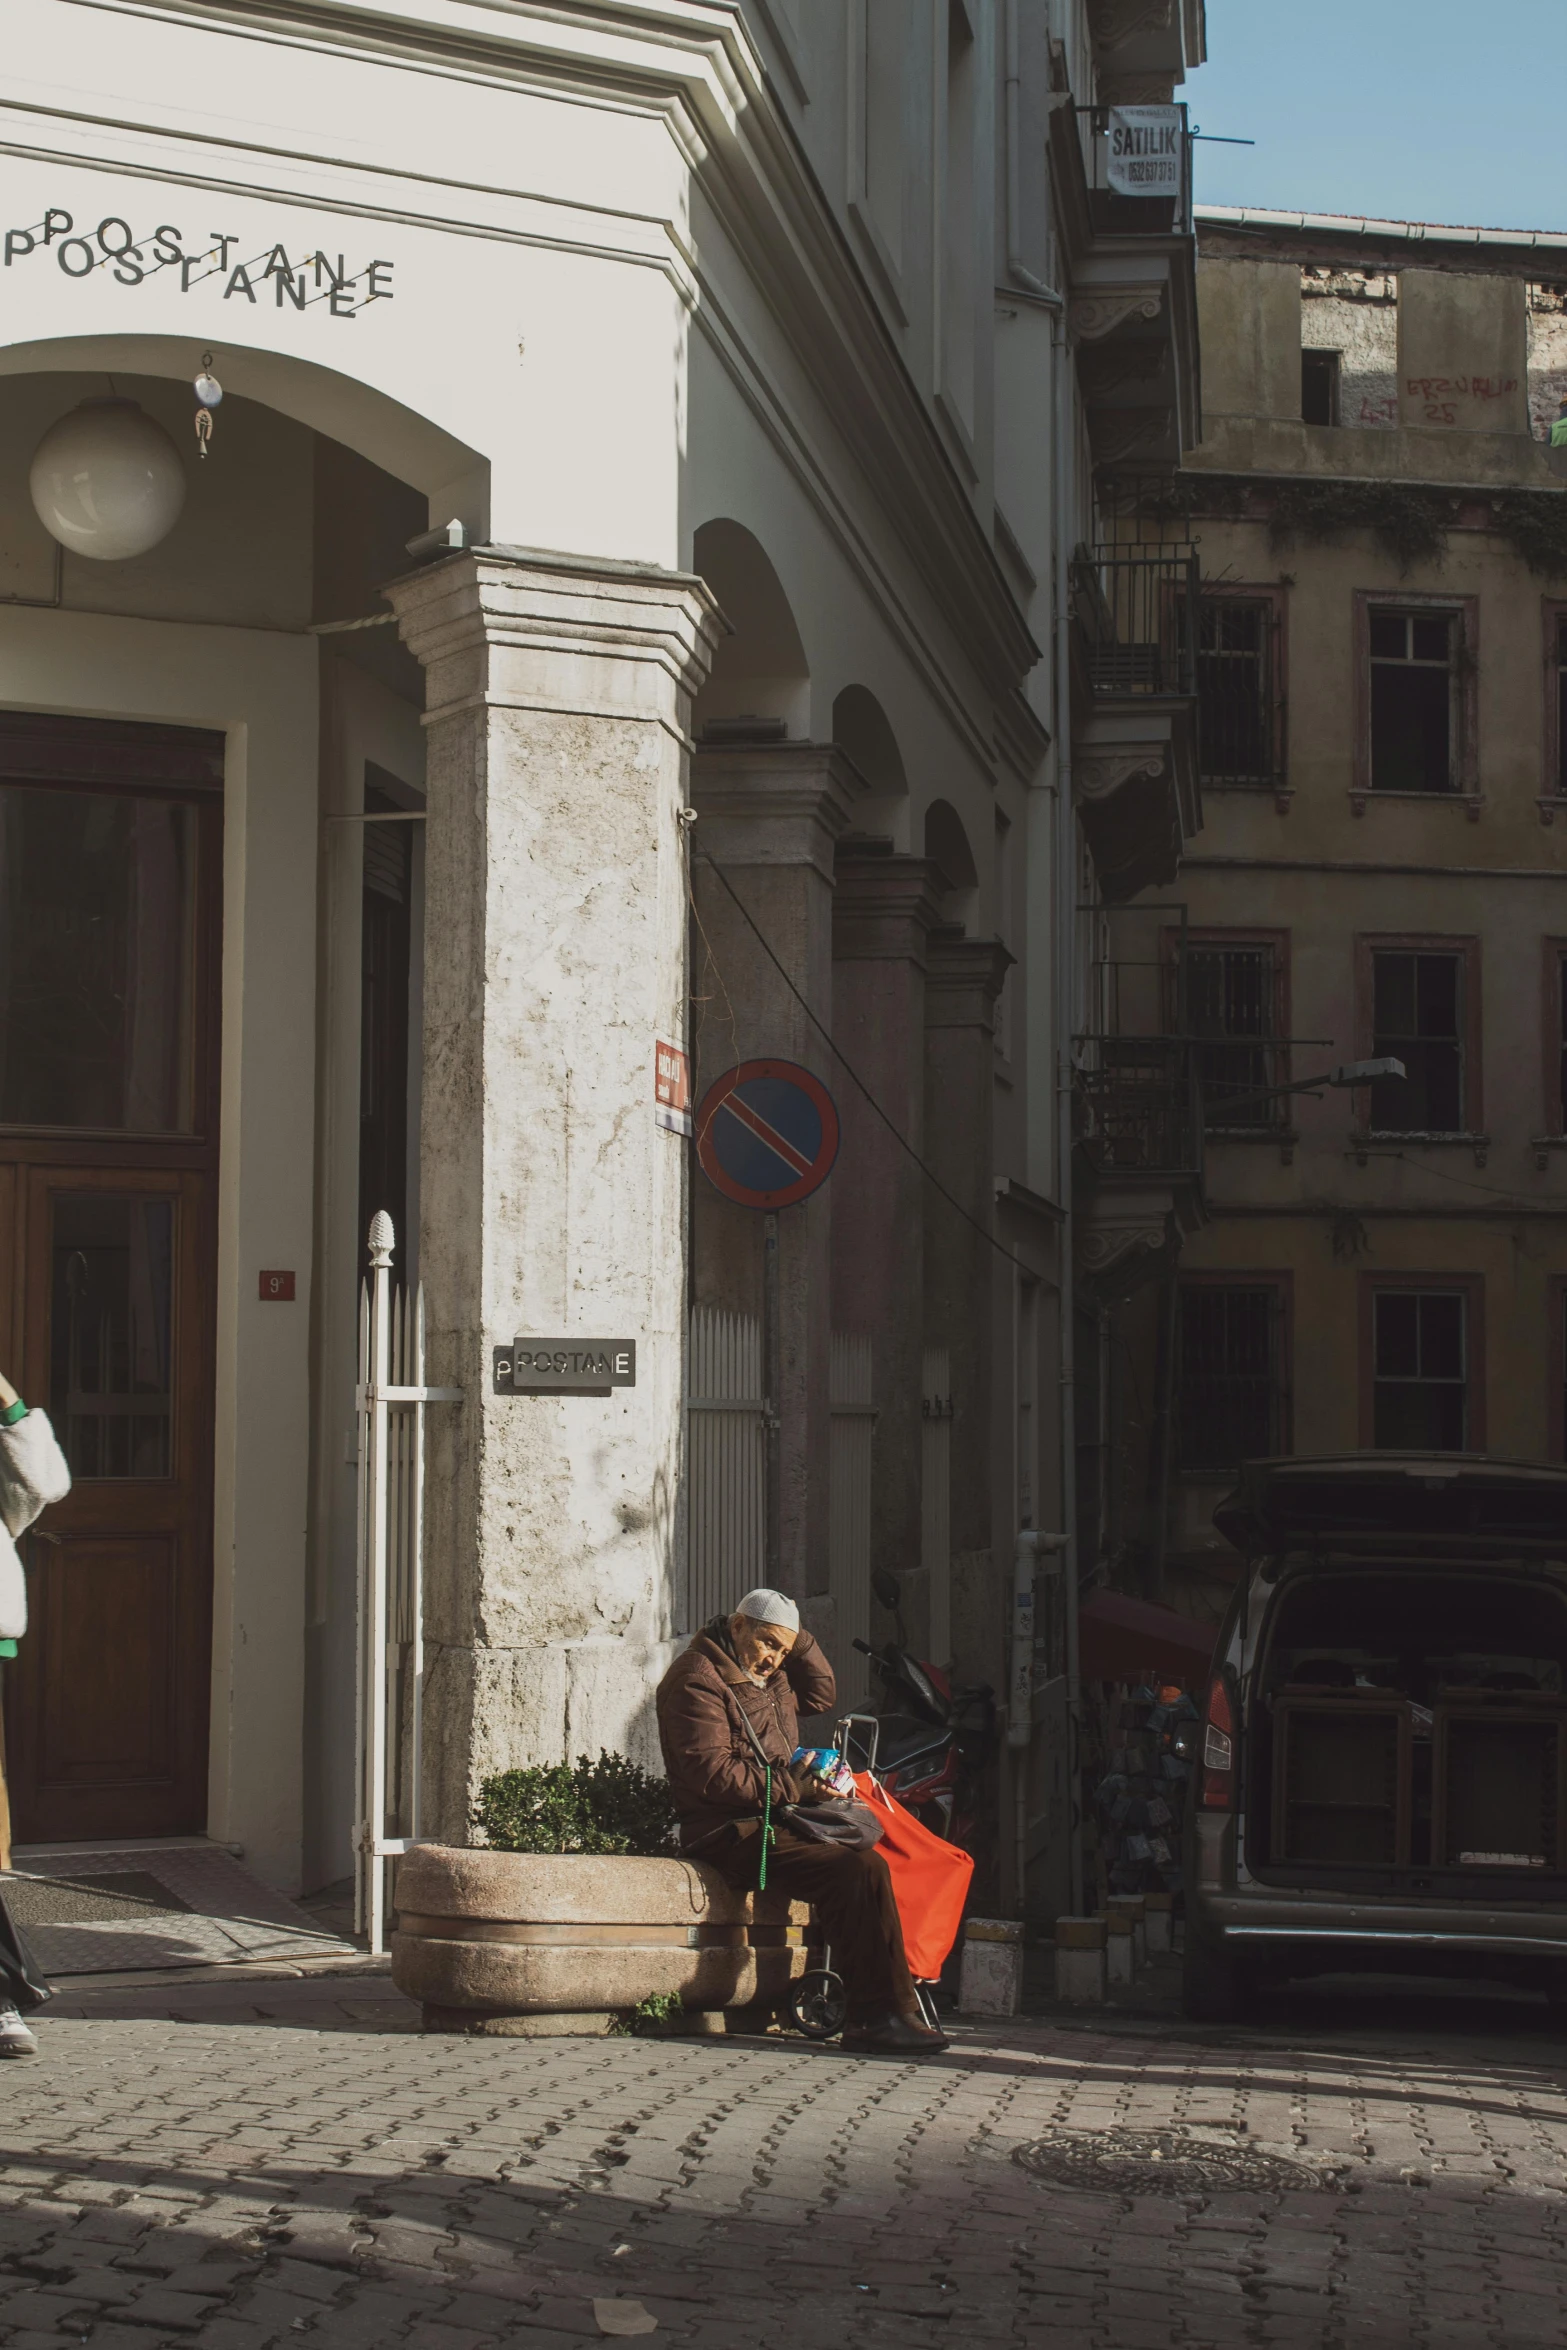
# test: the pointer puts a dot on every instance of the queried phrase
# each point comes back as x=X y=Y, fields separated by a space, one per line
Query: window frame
x=1471 y=1286
x=1275 y=596
x=1322 y=351
x=1466 y=666
x=1281 y=1281
x=1556 y=1369
x=1553 y=1003
x=1553 y=778
x=1372 y=943
x=1277 y=1124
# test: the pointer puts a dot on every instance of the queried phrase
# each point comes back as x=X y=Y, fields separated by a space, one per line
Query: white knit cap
x=770 y=1607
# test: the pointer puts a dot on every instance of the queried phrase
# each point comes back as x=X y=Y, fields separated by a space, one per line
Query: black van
x=1383 y=1775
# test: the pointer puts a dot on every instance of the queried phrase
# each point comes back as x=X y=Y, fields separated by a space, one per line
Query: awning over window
x=1122 y=1639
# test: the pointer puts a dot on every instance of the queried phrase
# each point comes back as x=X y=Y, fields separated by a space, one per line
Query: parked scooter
x=926 y=1739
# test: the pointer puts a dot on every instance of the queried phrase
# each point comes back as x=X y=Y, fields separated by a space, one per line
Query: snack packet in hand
x=823 y=1766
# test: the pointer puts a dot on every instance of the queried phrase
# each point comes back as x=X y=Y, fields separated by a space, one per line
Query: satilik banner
x=1143 y=150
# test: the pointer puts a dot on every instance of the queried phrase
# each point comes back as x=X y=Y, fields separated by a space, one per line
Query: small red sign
x=671 y=1078
x=671 y=1089
x=277 y=1289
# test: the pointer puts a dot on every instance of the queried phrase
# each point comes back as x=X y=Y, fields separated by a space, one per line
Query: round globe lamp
x=107 y=481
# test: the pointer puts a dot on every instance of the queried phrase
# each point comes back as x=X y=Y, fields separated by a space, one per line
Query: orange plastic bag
x=930 y=1880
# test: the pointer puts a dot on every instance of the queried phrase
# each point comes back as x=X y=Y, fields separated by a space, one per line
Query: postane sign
x=298 y=281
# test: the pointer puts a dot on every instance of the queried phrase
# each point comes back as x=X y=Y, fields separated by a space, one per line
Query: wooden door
x=110 y=851
x=108 y=1726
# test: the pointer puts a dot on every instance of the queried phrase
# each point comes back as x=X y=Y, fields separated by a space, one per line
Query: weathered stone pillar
x=558 y=700
x=770 y=815
x=882 y=916
x=962 y=981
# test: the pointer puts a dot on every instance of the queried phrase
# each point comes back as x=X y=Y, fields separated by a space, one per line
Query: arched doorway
x=189 y=740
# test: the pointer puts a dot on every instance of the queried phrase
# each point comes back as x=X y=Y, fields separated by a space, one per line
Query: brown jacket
x=711 y=1764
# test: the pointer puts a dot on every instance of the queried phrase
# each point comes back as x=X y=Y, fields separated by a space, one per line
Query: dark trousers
x=851 y=1893
x=21 y=1985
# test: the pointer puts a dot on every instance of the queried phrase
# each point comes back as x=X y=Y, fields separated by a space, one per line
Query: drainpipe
x=1020 y=1694
x=1065 y=980
x=1020 y=1713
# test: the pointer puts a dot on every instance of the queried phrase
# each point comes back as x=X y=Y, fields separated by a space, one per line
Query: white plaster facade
x=592 y=281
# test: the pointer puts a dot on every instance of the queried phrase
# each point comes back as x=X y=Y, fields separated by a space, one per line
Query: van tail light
x=1218 y=1750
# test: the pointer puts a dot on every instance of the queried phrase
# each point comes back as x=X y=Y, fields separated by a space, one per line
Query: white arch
x=760 y=670
x=453 y=477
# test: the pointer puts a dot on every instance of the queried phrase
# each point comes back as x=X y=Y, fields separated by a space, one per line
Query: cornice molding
x=695 y=62
x=963 y=978
x=521 y=627
x=772 y=804
x=884 y=907
x=1090 y=316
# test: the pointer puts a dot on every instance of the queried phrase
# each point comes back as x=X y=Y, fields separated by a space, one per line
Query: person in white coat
x=32 y=1475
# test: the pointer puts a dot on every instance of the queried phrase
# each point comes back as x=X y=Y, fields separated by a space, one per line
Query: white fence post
x=391 y=1400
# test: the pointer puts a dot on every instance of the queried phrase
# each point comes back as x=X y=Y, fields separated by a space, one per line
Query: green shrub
x=604 y=1806
x=650 y=2019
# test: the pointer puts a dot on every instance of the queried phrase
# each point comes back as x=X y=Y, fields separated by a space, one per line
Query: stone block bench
x=540 y=1943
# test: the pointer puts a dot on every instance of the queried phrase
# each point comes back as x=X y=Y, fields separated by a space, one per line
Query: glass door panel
x=111 y=1333
x=97 y=960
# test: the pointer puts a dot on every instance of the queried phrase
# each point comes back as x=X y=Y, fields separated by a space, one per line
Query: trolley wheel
x=817 y=2004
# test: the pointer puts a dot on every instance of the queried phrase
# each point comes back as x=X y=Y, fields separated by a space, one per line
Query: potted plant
x=576 y=1912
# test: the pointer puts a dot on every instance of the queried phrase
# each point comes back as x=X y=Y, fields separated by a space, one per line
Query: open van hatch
x=1372 y=1500
x=1412 y=1722
x=1384 y=1777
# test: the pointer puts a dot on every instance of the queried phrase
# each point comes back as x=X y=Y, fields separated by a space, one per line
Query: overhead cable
x=902 y=1141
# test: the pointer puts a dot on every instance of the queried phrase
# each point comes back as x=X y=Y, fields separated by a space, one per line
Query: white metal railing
x=726 y=1462
x=852 y=1429
x=389 y=1700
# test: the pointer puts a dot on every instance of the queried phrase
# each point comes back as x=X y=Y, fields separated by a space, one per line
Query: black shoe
x=892 y=2035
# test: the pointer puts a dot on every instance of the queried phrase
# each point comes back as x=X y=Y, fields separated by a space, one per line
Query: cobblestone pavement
x=243 y=2164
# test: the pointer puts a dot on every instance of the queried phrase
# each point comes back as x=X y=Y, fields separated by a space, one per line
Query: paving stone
x=248 y=2180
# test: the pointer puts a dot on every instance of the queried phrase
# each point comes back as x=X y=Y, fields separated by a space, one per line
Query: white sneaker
x=15 y=2038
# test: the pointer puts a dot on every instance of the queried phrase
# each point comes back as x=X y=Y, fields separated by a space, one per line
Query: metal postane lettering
x=565 y=1366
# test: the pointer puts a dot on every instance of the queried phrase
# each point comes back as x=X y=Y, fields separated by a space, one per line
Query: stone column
x=882 y=916
x=962 y=981
x=770 y=815
x=558 y=699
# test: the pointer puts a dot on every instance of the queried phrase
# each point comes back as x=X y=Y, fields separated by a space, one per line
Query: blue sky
x=1408 y=109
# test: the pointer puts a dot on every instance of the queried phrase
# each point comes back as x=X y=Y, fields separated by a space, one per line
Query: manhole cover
x=1157 y=2162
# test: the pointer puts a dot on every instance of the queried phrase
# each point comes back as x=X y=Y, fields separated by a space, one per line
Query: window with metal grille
x=1236 y=735
x=1420 y=1370
x=1561 y=706
x=1232 y=1008
x=1319 y=374
x=1229 y=1398
x=1561 y=1048
x=1417 y=1017
x=1413 y=681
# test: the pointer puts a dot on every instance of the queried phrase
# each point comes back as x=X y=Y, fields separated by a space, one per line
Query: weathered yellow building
x=1380 y=649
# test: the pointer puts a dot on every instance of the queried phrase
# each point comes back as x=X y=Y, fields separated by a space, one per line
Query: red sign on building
x=672 y=1088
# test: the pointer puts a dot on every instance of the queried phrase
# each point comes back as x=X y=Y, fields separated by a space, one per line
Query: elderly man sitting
x=728 y=1711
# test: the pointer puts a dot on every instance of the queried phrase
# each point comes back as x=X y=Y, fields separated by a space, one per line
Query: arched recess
x=452 y=477
x=947 y=847
x=861 y=728
x=760 y=673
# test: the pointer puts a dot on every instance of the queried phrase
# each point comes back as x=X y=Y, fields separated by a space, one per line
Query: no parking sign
x=767 y=1134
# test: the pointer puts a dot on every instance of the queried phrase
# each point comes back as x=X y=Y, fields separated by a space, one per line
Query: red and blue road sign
x=767 y=1134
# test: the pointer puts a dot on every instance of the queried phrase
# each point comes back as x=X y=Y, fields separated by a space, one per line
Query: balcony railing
x=1137 y=161
x=1138 y=1108
x=1136 y=613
